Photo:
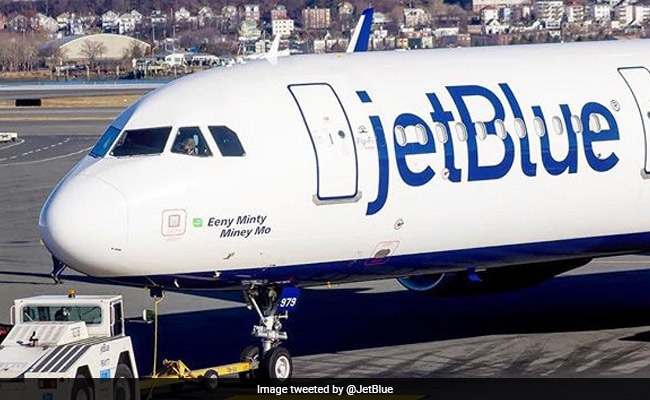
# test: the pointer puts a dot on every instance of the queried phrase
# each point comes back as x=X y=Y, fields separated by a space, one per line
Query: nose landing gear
x=267 y=361
x=272 y=303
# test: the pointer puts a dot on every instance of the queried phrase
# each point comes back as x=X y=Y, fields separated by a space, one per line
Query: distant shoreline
x=46 y=77
x=25 y=75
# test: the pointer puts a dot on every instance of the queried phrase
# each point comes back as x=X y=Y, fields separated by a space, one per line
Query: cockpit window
x=105 y=142
x=137 y=142
x=189 y=140
x=227 y=141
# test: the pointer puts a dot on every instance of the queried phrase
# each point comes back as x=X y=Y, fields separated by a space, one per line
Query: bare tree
x=18 y=51
x=132 y=53
x=53 y=55
x=135 y=50
x=93 y=51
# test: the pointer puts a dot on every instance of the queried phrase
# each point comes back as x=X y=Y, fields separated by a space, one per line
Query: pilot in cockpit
x=189 y=146
x=186 y=145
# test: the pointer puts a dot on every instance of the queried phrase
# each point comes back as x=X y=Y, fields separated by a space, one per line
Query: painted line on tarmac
x=20 y=141
x=36 y=150
x=47 y=159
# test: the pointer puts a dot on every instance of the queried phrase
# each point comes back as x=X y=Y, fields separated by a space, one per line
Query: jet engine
x=491 y=280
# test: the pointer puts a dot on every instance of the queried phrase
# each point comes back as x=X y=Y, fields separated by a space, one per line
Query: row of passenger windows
x=442 y=135
x=188 y=140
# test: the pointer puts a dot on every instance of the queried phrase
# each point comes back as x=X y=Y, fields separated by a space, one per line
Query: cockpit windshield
x=189 y=140
x=136 y=142
x=105 y=142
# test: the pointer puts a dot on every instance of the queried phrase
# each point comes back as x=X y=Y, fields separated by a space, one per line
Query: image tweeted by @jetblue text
x=445 y=389
x=325 y=388
x=458 y=388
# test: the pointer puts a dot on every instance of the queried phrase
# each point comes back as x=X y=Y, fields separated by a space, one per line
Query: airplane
x=455 y=171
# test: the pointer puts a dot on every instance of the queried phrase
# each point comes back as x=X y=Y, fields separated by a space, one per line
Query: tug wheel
x=81 y=389
x=124 y=388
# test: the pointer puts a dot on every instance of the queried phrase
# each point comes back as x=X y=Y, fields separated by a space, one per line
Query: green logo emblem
x=197 y=222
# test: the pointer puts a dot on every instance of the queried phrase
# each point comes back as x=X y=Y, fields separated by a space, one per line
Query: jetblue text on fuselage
x=475 y=172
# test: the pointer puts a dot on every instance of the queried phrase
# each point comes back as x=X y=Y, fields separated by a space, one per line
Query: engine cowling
x=492 y=280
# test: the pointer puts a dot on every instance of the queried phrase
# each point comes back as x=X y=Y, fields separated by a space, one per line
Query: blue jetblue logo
x=475 y=172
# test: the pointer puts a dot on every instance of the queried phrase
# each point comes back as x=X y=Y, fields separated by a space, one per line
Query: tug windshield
x=91 y=315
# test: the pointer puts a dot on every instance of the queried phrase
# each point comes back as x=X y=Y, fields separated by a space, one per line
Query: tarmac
x=590 y=322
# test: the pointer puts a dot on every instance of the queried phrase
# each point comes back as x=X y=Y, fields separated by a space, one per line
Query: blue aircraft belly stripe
x=404 y=265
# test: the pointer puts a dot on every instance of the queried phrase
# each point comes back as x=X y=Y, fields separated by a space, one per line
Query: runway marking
x=20 y=141
x=33 y=151
x=47 y=159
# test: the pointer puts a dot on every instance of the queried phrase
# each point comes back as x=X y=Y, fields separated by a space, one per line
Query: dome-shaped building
x=102 y=46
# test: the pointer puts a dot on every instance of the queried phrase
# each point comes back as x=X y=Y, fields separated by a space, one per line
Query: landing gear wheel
x=210 y=381
x=124 y=388
x=250 y=354
x=272 y=303
x=277 y=365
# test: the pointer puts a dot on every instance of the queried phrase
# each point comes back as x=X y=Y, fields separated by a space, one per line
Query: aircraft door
x=638 y=80
x=331 y=137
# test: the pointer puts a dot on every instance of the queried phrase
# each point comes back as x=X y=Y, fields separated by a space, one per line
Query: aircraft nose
x=84 y=223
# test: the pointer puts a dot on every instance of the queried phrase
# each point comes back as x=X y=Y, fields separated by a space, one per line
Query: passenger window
x=421 y=133
x=539 y=126
x=441 y=132
x=520 y=127
x=577 y=124
x=189 y=140
x=141 y=142
x=500 y=127
x=481 y=130
x=461 y=131
x=557 y=125
x=400 y=135
x=227 y=141
x=594 y=123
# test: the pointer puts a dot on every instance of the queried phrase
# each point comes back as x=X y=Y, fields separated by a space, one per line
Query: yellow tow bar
x=175 y=373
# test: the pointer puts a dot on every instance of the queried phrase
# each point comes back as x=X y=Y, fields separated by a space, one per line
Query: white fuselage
x=374 y=162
